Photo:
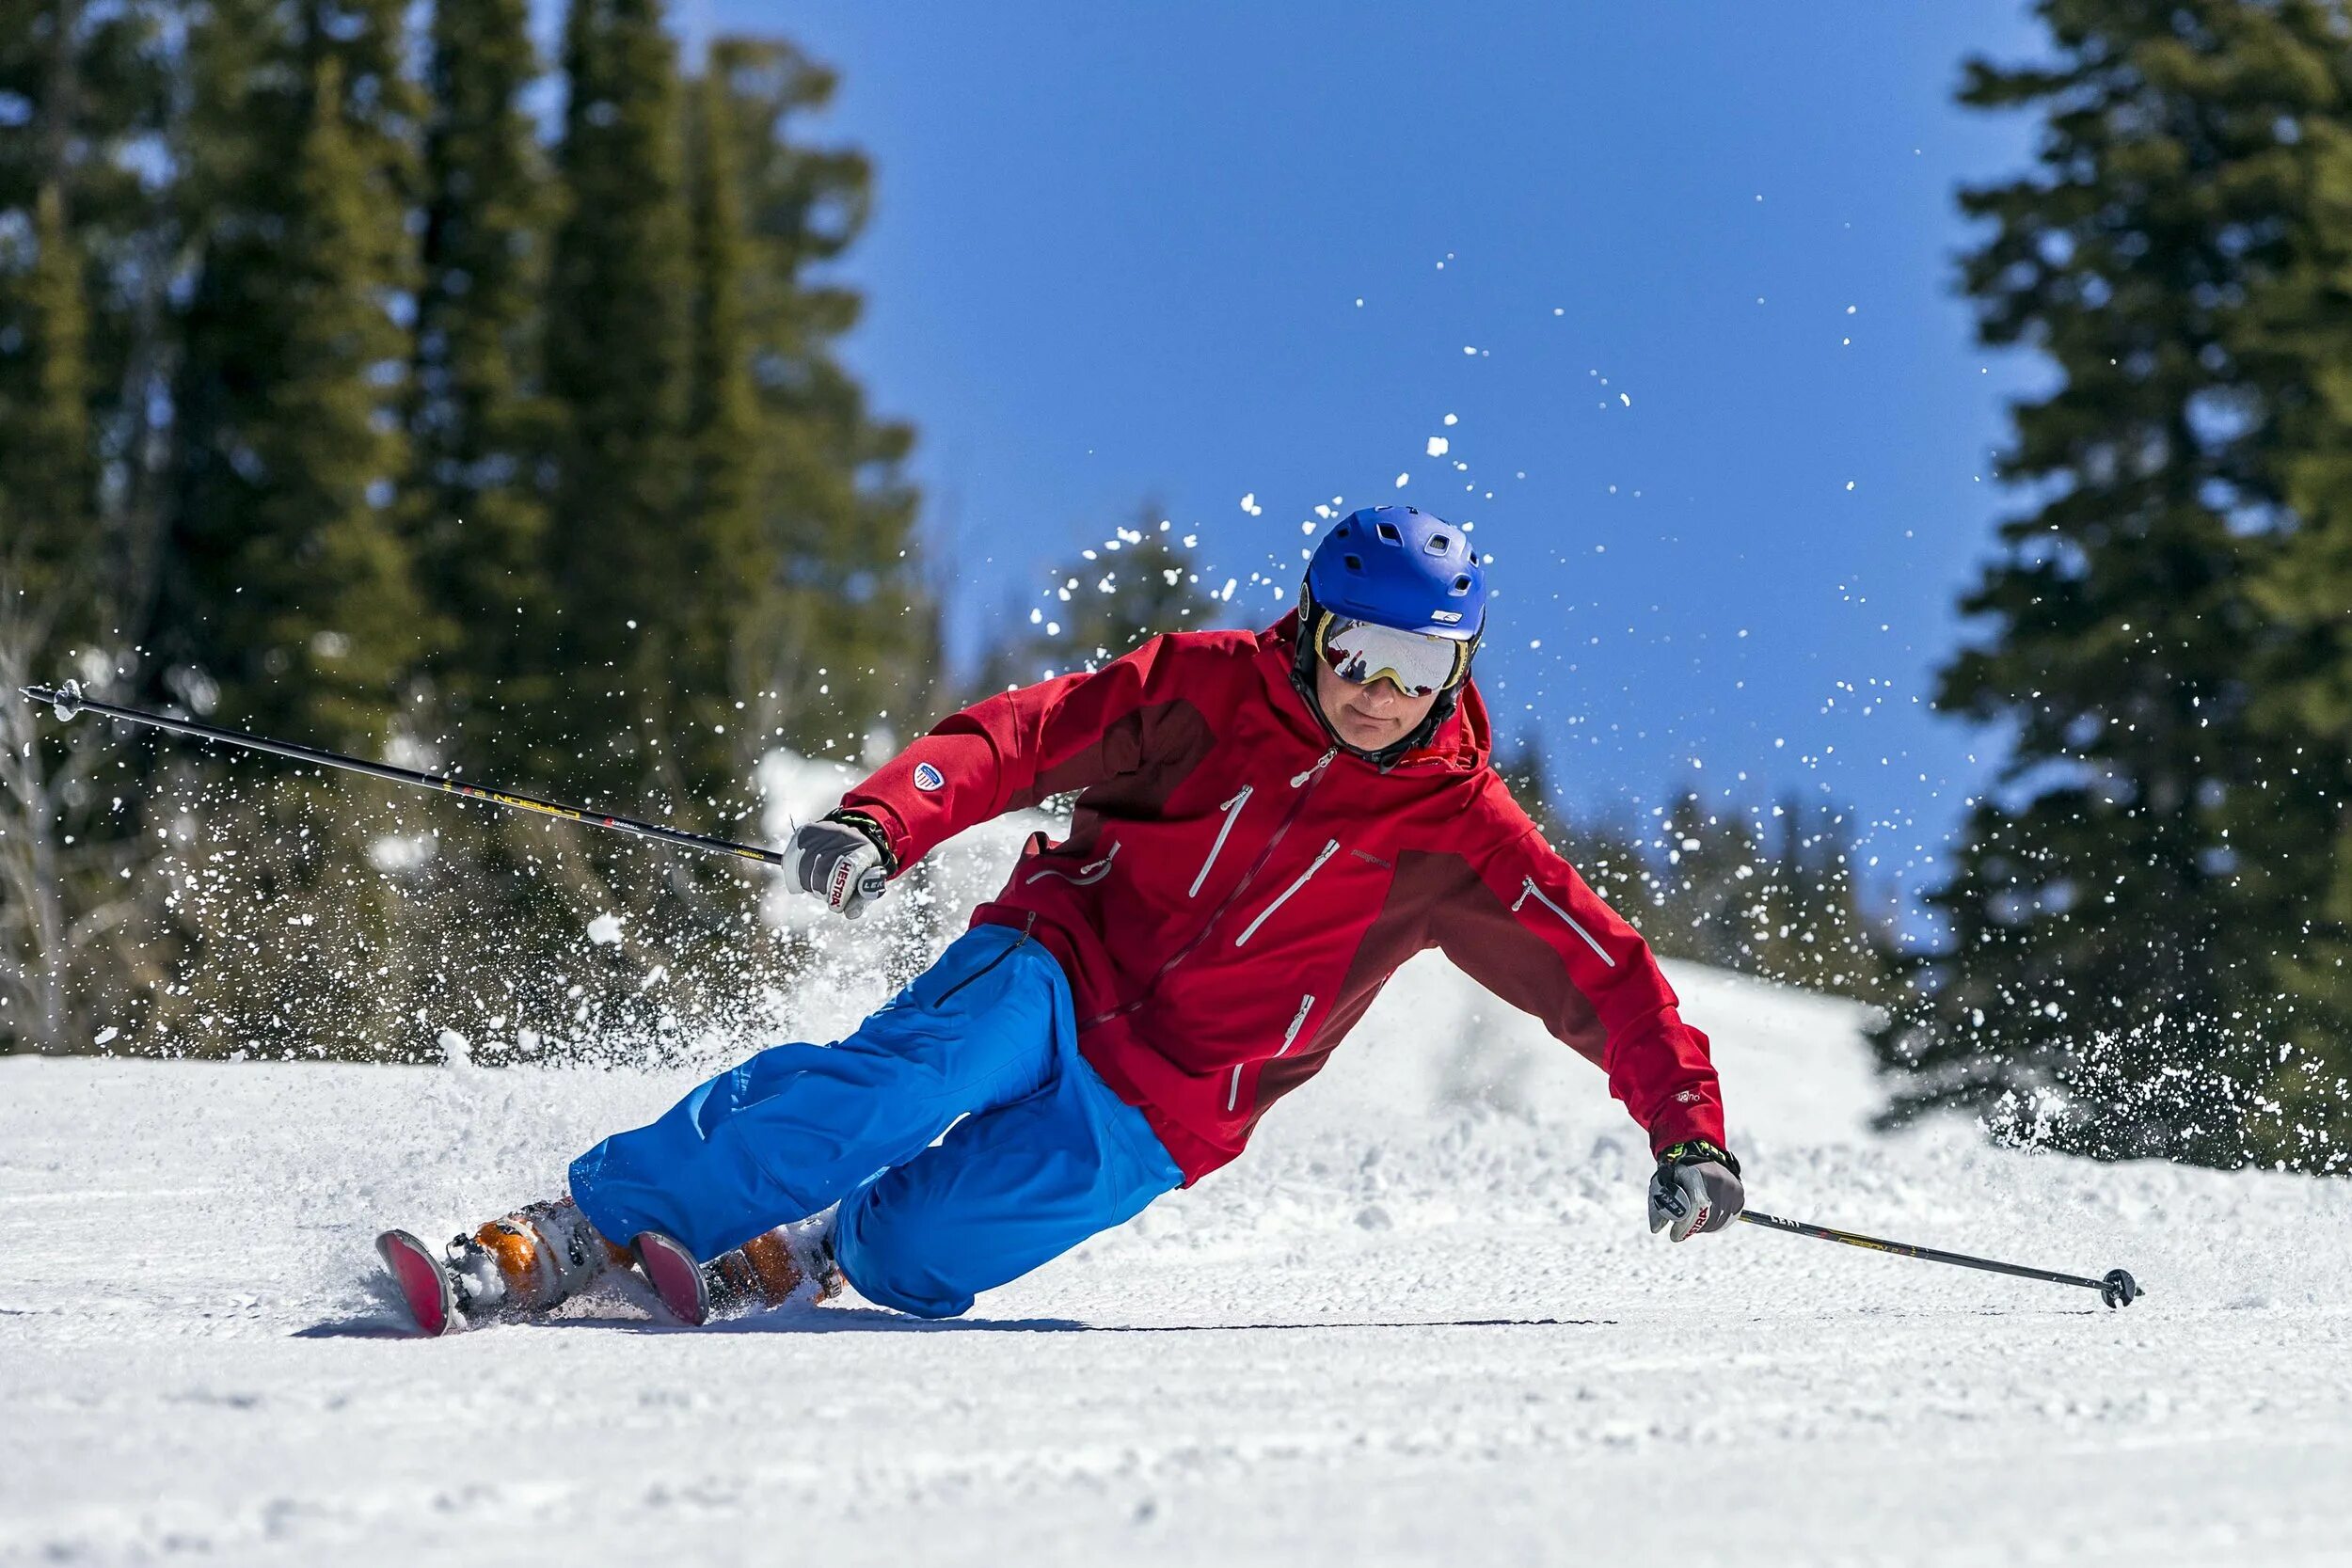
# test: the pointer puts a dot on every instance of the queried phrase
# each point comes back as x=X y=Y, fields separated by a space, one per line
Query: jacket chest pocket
x=1230 y=813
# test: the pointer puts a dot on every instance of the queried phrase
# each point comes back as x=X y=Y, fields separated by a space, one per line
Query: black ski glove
x=1695 y=1188
x=843 y=859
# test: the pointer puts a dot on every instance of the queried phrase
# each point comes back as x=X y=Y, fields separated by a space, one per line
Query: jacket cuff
x=1701 y=1122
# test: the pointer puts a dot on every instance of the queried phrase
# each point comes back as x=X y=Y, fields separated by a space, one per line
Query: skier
x=1267 y=825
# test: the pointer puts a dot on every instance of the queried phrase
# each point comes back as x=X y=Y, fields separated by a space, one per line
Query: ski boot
x=792 y=1263
x=526 y=1261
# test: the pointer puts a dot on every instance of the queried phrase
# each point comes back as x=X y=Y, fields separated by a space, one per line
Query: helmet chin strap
x=1311 y=618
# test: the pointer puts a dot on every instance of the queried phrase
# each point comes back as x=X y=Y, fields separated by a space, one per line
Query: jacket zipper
x=1290 y=1037
x=1298 y=1022
x=1329 y=849
x=1086 y=876
x=1306 y=782
x=1232 y=815
x=1537 y=893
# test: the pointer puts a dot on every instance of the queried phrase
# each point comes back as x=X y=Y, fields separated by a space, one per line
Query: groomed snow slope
x=1423 y=1320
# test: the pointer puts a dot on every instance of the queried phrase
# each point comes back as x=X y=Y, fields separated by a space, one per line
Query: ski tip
x=676 y=1276
x=425 y=1285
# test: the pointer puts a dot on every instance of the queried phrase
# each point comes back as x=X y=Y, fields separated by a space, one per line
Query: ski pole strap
x=2117 y=1288
x=69 y=702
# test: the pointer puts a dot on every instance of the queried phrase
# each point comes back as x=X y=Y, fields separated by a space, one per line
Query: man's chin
x=1356 y=737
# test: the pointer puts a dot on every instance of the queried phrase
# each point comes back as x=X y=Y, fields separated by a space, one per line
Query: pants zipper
x=1537 y=893
x=1232 y=815
x=1027 y=927
x=1329 y=849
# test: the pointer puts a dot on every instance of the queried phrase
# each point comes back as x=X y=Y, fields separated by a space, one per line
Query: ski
x=677 y=1278
x=425 y=1286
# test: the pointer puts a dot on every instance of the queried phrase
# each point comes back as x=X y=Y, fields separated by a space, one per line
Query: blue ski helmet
x=1402 y=567
x=1397 y=566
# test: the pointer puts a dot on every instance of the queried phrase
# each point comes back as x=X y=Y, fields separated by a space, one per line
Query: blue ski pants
x=1044 y=1156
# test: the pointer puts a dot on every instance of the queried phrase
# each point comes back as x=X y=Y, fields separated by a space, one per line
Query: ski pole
x=2117 y=1288
x=68 y=700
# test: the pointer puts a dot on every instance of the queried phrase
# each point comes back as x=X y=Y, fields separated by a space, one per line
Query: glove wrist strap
x=1695 y=1151
x=873 y=831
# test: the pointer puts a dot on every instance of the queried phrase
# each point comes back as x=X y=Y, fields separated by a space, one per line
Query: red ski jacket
x=1235 y=889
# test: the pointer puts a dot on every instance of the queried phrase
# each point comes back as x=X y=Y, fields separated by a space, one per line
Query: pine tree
x=1128 y=588
x=1707 y=887
x=288 y=593
x=1820 y=934
x=2122 y=906
x=726 y=454
x=619 y=354
x=478 y=420
x=74 y=215
x=1786 y=906
x=845 y=632
x=71 y=219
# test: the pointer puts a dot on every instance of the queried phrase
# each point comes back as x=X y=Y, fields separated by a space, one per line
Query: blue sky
x=1718 y=422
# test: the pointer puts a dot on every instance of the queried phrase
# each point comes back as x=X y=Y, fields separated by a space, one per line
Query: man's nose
x=1382 y=692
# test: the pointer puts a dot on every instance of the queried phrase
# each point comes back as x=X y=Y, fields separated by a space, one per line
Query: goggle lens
x=1360 y=652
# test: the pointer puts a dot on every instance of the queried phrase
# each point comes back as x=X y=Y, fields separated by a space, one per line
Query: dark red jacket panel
x=1234 y=890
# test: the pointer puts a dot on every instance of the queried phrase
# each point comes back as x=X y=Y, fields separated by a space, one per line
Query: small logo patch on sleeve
x=928 y=777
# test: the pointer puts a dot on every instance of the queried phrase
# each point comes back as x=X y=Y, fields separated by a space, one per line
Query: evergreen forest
x=351 y=393
x=375 y=376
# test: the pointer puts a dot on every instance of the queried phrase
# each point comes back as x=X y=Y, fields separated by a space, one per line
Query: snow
x=1422 y=1320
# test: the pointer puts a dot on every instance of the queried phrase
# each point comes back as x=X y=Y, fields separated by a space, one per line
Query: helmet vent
x=1438 y=544
x=1389 y=531
x=1461 y=584
x=1355 y=563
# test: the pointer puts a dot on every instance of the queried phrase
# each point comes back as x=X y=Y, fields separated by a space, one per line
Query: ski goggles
x=1362 y=652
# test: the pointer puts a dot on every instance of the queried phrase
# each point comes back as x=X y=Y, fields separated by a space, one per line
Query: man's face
x=1371 y=716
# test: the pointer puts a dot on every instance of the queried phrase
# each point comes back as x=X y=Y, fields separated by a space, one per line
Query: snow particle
x=1439 y=446
x=1402 y=480
x=604 y=930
